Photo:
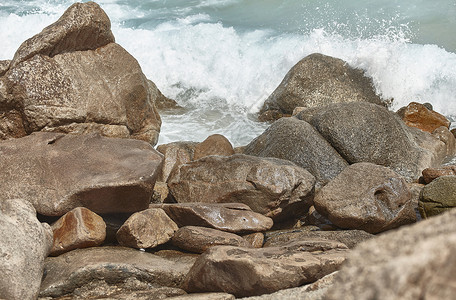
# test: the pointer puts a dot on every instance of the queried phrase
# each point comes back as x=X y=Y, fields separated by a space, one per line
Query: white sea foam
x=222 y=71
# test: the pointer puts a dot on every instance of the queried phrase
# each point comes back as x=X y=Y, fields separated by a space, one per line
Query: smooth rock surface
x=24 y=244
x=419 y=116
x=146 y=229
x=438 y=196
x=255 y=240
x=215 y=144
x=175 y=154
x=413 y=262
x=116 y=266
x=318 y=80
x=249 y=272
x=368 y=197
x=199 y=239
x=58 y=172
x=230 y=217
x=78 y=228
x=299 y=142
x=273 y=187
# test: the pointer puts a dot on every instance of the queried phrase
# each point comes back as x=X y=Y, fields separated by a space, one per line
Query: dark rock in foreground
x=58 y=172
x=438 y=196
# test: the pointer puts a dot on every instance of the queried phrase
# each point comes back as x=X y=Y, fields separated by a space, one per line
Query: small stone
x=78 y=228
x=430 y=174
x=255 y=240
x=146 y=229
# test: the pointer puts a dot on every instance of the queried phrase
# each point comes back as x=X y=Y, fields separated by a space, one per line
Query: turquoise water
x=221 y=59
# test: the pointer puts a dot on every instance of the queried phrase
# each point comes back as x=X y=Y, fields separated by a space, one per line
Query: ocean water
x=220 y=59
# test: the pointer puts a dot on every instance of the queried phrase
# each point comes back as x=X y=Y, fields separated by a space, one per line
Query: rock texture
x=419 y=116
x=299 y=142
x=78 y=228
x=365 y=132
x=215 y=144
x=276 y=188
x=249 y=272
x=438 y=196
x=414 y=262
x=319 y=80
x=146 y=229
x=58 y=172
x=230 y=217
x=73 y=78
x=24 y=244
x=199 y=239
x=368 y=197
x=115 y=266
x=175 y=154
x=429 y=174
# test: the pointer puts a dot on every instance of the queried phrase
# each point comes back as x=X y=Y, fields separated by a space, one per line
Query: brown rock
x=57 y=172
x=175 y=154
x=417 y=115
x=413 y=262
x=78 y=228
x=204 y=296
x=318 y=80
x=215 y=144
x=83 y=26
x=249 y=272
x=443 y=134
x=116 y=266
x=161 y=102
x=230 y=217
x=4 y=66
x=255 y=239
x=368 y=197
x=453 y=131
x=199 y=239
x=430 y=174
x=146 y=229
x=348 y=237
x=161 y=192
x=438 y=196
x=273 y=187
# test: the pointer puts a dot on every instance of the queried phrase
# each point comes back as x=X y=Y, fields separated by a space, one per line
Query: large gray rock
x=299 y=142
x=115 y=266
x=438 y=196
x=319 y=80
x=274 y=187
x=73 y=78
x=249 y=272
x=230 y=217
x=368 y=197
x=365 y=132
x=58 y=172
x=413 y=262
x=24 y=244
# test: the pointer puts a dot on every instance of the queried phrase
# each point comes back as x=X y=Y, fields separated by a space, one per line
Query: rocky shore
x=340 y=198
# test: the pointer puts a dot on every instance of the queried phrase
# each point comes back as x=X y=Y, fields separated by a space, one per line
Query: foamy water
x=221 y=59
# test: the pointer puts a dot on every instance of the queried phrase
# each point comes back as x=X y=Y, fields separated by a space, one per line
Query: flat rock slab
x=78 y=228
x=199 y=239
x=348 y=237
x=273 y=187
x=236 y=217
x=58 y=172
x=413 y=262
x=368 y=197
x=24 y=244
x=146 y=229
x=249 y=272
x=114 y=265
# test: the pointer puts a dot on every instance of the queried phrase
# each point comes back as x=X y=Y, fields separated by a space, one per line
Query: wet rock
x=438 y=196
x=368 y=197
x=161 y=102
x=348 y=237
x=255 y=240
x=419 y=116
x=230 y=217
x=24 y=244
x=215 y=144
x=249 y=272
x=319 y=80
x=365 y=132
x=175 y=154
x=78 y=228
x=299 y=142
x=273 y=187
x=199 y=239
x=116 y=266
x=58 y=172
x=146 y=229
x=429 y=174
x=413 y=262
